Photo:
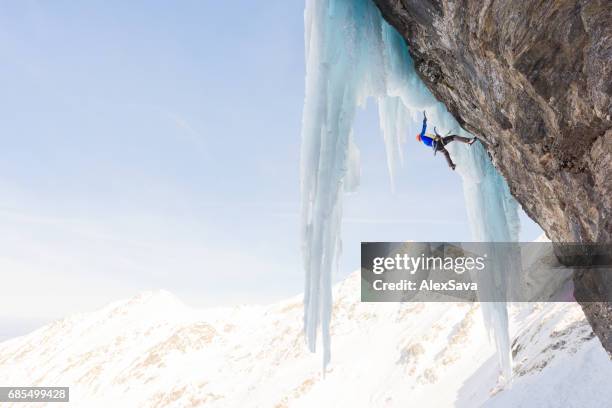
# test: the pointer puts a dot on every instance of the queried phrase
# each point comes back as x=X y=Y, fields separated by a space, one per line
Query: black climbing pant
x=446 y=140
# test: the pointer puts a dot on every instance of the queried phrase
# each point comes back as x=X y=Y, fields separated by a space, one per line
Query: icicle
x=353 y=54
x=394 y=126
x=337 y=80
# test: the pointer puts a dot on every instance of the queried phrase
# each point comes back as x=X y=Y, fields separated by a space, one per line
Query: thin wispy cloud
x=359 y=220
x=182 y=123
x=380 y=221
x=188 y=130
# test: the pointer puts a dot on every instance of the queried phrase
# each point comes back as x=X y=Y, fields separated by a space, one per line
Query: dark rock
x=533 y=79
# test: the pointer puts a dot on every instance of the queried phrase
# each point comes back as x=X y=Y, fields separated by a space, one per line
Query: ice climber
x=437 y=142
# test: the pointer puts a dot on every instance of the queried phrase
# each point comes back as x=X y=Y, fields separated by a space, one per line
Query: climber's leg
x=458 y=138
x=448 y=159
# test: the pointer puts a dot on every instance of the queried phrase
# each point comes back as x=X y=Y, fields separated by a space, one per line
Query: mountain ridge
x=152 y=350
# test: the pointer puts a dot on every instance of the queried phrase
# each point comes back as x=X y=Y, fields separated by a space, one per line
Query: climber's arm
x=424 y=124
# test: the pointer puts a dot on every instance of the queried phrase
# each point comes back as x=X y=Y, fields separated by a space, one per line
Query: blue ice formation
x=352 y=54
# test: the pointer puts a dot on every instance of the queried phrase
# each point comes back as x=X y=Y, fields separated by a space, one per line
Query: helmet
x=418 y=138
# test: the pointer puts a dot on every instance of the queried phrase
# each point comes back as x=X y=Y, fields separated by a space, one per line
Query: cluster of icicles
x=352 y=54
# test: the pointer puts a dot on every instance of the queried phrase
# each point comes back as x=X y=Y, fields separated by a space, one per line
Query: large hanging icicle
x=352 y=54
x=493 y=217
x=338 y=79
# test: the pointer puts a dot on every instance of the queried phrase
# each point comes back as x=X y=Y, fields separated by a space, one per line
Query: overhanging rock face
x=533 y=80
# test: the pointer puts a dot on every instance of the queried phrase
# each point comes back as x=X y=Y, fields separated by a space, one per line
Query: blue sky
x=156 y=145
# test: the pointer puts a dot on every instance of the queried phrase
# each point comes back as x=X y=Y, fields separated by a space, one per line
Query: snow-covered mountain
x=154 y=351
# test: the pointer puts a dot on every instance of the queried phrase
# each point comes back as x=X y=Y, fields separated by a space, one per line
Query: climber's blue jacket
x=428 y=141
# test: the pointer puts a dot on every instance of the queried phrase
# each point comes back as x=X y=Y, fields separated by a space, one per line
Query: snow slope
x=154 y=351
